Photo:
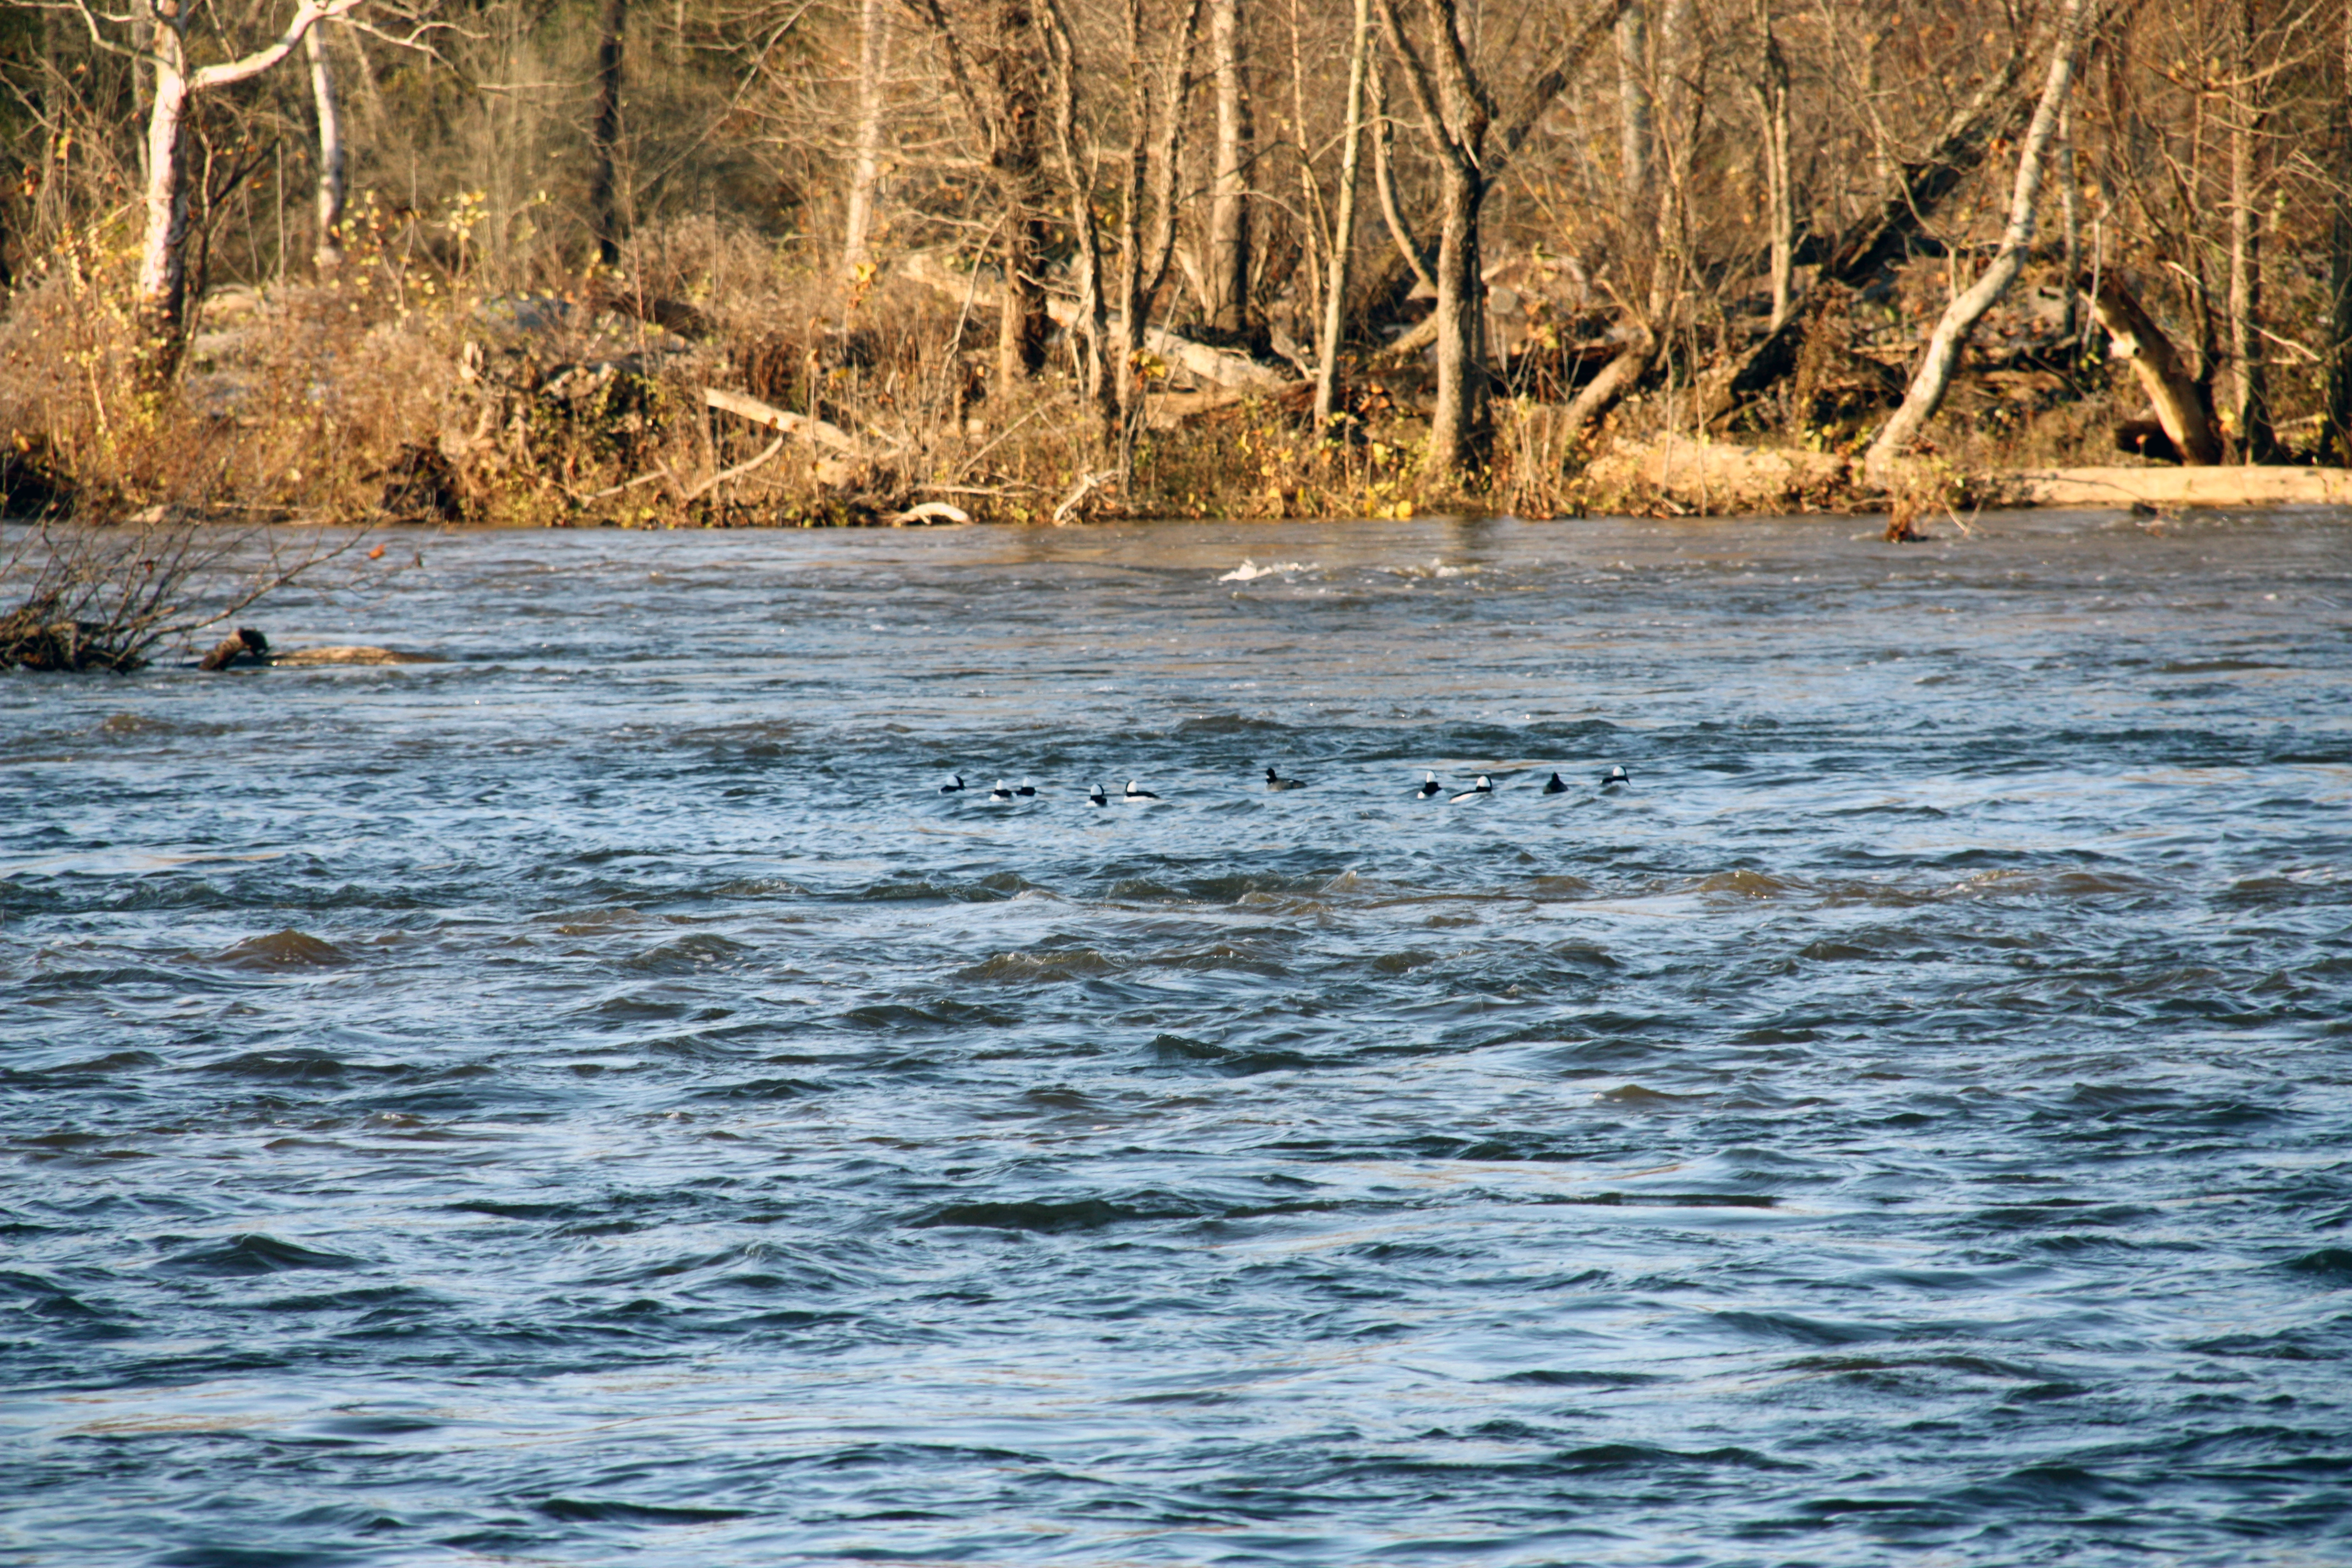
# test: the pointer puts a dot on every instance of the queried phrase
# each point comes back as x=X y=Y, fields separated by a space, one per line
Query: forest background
x=672 y=262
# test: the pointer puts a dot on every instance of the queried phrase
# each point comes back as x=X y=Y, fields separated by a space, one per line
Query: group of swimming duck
x=1614 y=779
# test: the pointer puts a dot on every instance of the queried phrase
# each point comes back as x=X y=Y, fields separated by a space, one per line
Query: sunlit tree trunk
x=1227 y=273
x=160 y=306
x=2250 y=383
x=865 y=169
x=1455 y=113
x=1343 y=227
x=1934 y=376
x=1779 y=185
x=1637 y=124
x=329 y=252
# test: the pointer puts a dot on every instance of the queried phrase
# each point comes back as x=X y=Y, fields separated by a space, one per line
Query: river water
x=591 y=1099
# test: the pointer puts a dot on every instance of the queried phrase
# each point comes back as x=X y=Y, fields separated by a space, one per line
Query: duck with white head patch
x=1096 y=796
x=1616 y=778
x=1137 y=792
x=1430 y=787
x=1003 y=792
x=1479 y=791
x=955 y=788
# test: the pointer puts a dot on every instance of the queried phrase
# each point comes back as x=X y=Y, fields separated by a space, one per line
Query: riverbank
x=381 y=396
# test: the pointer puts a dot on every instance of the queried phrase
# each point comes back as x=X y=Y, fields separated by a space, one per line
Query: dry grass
x=401 y=388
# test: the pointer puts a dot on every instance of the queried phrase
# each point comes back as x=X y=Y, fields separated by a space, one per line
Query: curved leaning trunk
x=1959 y=318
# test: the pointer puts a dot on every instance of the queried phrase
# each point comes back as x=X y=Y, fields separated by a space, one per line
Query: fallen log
x=2180 y=407
x=244 y=643
x=817 y=432
x=1194 y=359
x=2190 y=487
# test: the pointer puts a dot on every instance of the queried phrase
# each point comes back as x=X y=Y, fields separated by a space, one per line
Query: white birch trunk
x=1343 y=228
x=329 y=253
x=1951 y=334
x=866 y=172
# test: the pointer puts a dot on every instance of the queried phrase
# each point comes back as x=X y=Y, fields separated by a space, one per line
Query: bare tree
x=866 y=169
x=328 y=246
x=2250 y=383
x=1455 y=112
x=1934 y=376
x=1343 y=226
x=1780 y=181
x=1154 y=139
x=161 y=301
x=996 y=75
x=1227 y=273
x=605 y=202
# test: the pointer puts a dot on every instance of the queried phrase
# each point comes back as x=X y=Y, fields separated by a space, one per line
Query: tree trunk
x=1152 y=157
x=1455 y=112
x=865 y=169
x=605 y=204
x=163 y=304
x=1637 y=126
x=1343 y=230
x=1779 y=185
x=2070 y=198
x=1885 y=234
x=1022 y=325
x=1096 y=378
x=2250 y=383
x=1227 y=273
x=1960 y=317
x=2336 y=432
x=1409 y=250
x=1458 y=425
x=329 y=254
x=2180 y=401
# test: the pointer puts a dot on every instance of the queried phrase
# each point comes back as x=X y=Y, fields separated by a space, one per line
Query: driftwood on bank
x=1199 y=360
x=2179 y=406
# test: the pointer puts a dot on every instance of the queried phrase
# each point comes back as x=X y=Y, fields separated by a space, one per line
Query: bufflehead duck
x=1002 y=791
x=955 y=788
x=1026 y=789
x=1276 y=780
x=1137 y=792
x=1616 y=778
x=1429 y=786
x=1483 y=788
x=1096 y=795
x=1557 y=786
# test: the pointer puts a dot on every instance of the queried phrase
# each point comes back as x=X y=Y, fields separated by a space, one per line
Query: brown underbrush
x=402 y=387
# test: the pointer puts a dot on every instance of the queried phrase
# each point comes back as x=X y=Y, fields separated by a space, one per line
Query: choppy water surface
x=590 y=1100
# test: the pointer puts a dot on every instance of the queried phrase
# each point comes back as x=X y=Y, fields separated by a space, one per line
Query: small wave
x=1543 y=1377
x=1024 y=968
x=1746 y=884
x=1175 y=1050
x=284 y=951
x=584 y=1511
x=1045 y=1216
x=1250 y=572
x=2332 y=1264
x=688 y=955
x=251 y=1253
